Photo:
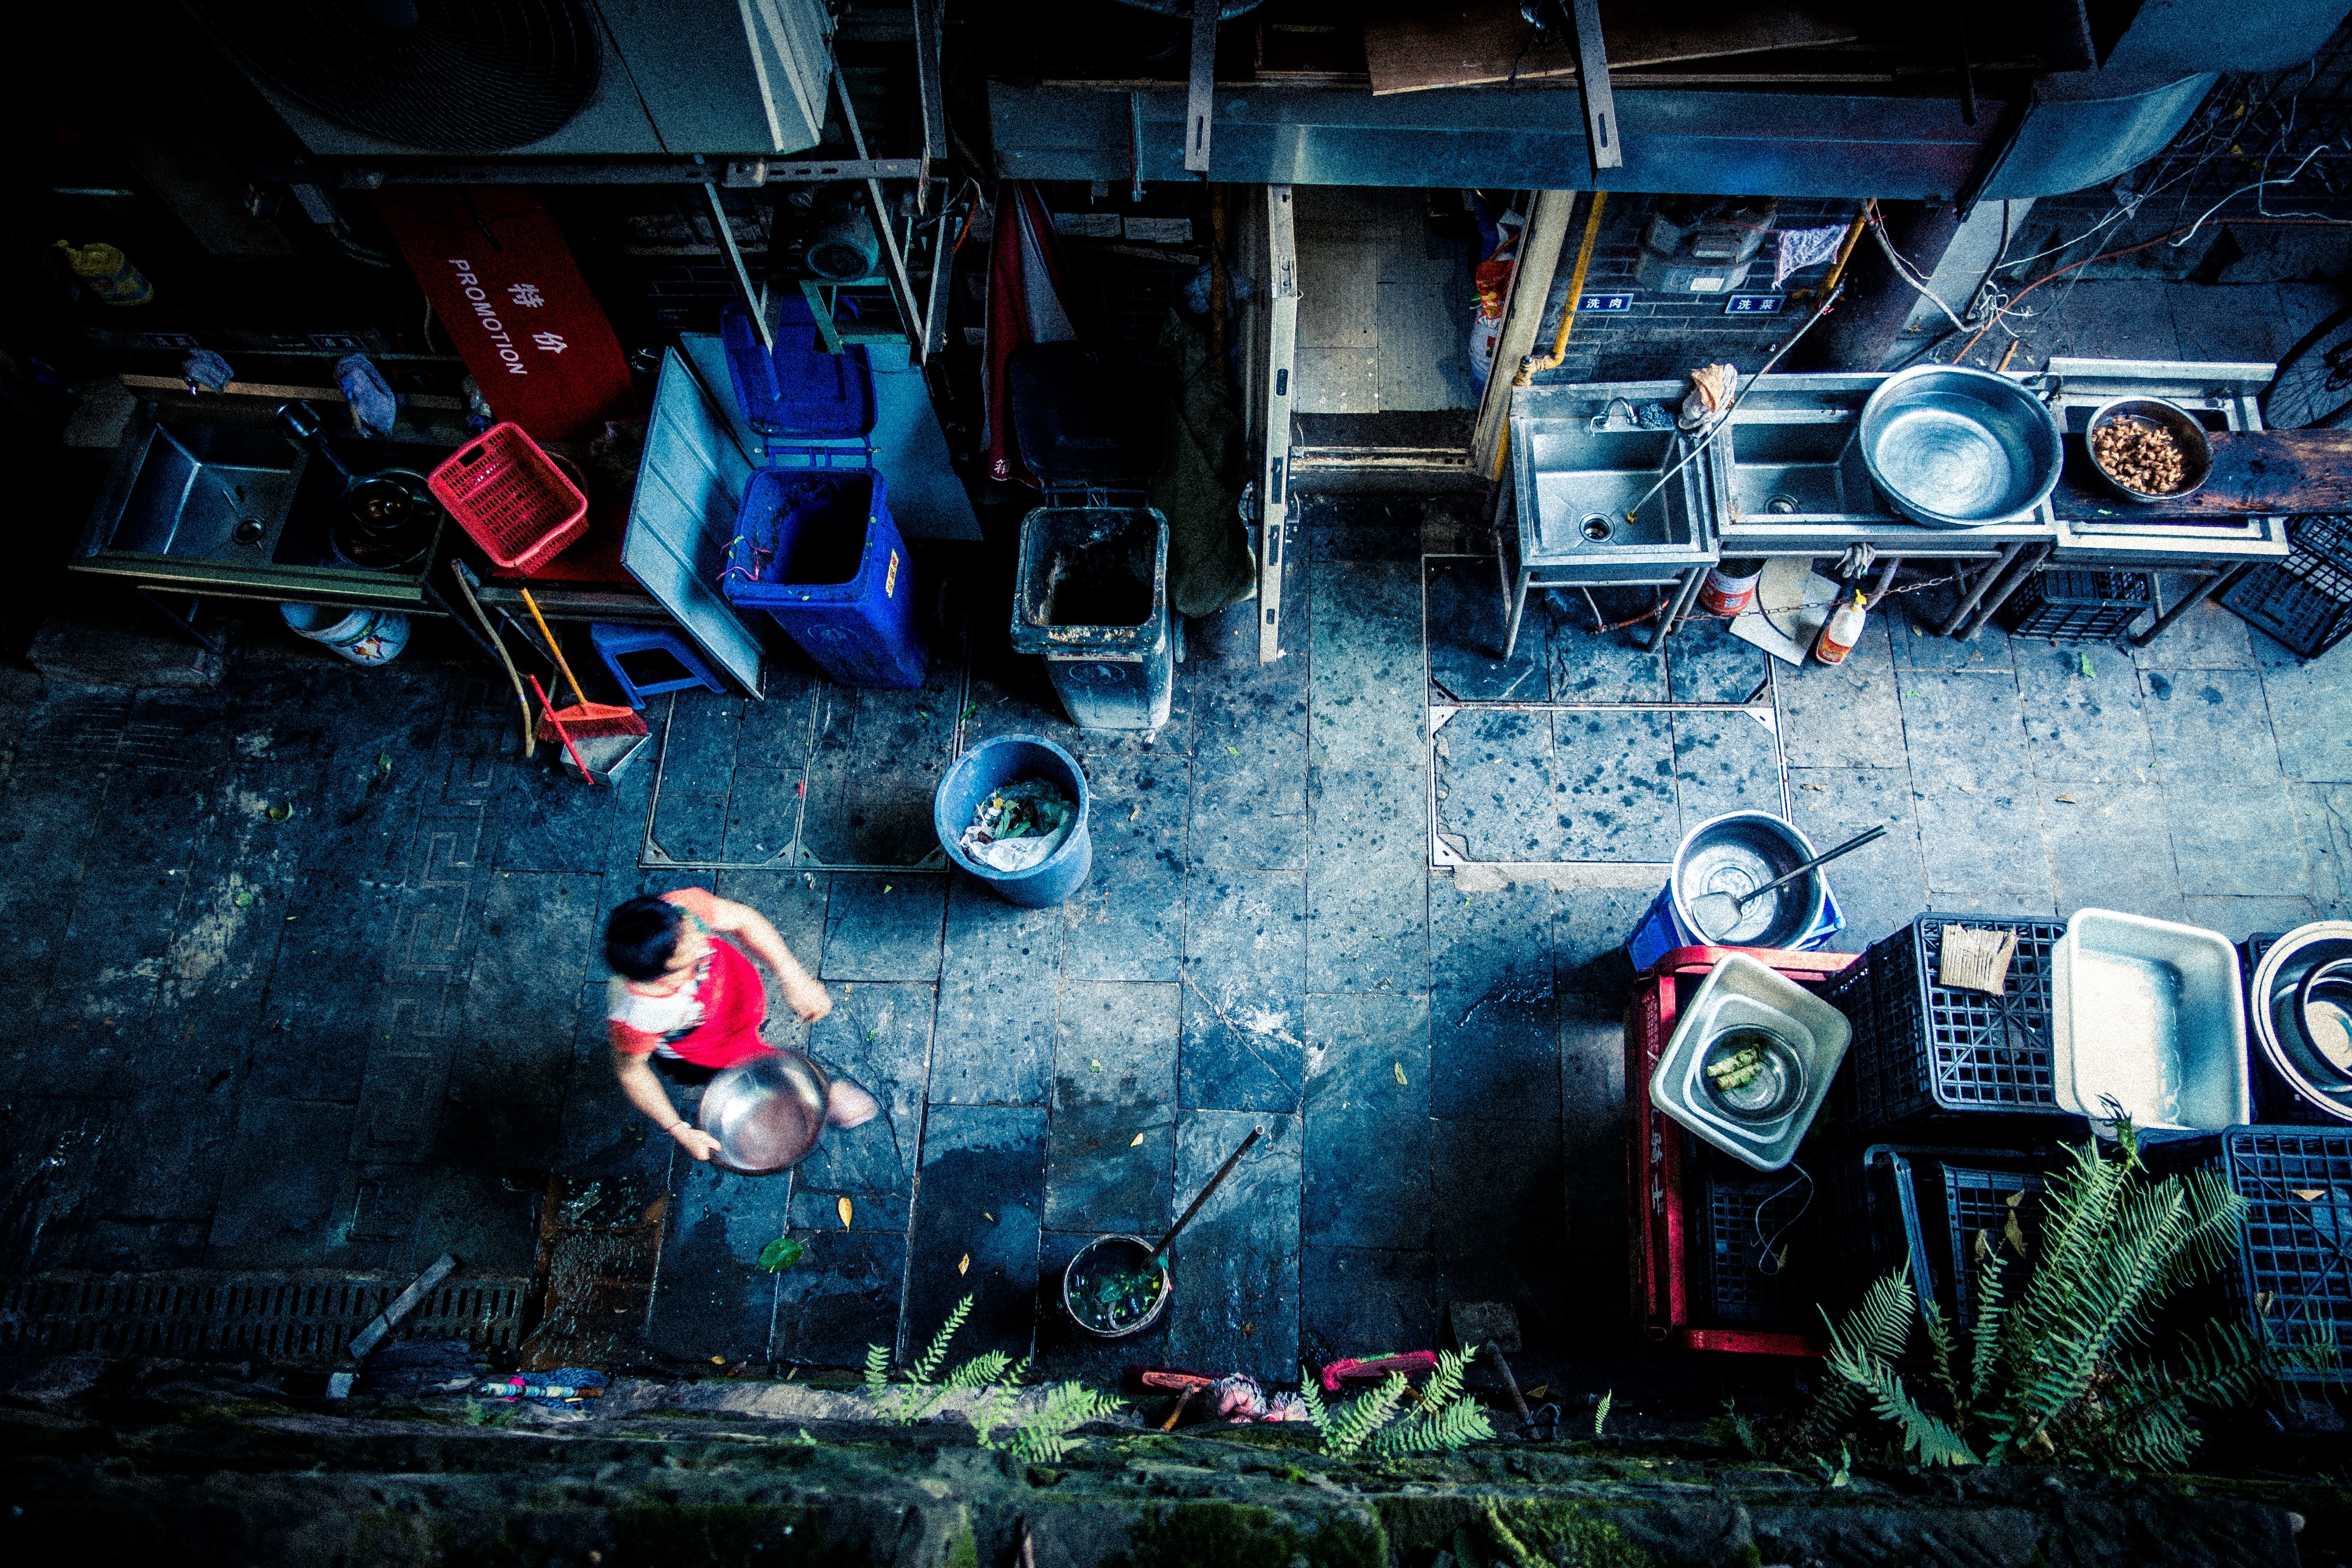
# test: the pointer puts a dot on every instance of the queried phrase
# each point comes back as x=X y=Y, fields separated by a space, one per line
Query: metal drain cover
x=205 y=1315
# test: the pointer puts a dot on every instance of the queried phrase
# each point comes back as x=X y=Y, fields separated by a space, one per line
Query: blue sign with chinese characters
x=1605 y=302
x=1753 y=304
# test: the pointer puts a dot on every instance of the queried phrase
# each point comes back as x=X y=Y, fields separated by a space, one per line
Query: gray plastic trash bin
x=1092 y=600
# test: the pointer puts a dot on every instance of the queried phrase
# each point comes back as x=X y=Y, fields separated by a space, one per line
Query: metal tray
x=2149 y=1015
x=1741 y=991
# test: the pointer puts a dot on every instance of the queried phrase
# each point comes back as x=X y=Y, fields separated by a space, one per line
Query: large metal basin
x=2148 y=1018
x=1577 y=486
x=1953 y=448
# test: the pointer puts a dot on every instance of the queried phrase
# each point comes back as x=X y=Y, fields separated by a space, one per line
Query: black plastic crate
x=1895 y=1205
x=2305 y=601
x=2078 y=606
x=1740 y=1218
x=1921 y=1050
x=1977 y=1202
x=2294 y=1255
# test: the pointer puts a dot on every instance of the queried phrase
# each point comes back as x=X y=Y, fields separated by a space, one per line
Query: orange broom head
x=586 y=719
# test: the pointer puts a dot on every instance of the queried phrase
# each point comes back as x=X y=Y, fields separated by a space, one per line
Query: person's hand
x=694 y=1140
x=808 y=998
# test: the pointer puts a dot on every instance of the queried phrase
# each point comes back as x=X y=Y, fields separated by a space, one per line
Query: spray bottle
x=1841 y=631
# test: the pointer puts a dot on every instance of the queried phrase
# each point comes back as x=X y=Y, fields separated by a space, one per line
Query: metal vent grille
x=230 y=1317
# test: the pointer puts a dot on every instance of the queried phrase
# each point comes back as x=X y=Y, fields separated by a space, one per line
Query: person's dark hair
x=641 y=937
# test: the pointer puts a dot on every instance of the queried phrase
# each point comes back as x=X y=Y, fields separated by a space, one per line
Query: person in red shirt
x=685 y=998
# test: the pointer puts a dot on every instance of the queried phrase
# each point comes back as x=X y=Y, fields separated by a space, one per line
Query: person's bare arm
x=645 y=1092
x=804 y=993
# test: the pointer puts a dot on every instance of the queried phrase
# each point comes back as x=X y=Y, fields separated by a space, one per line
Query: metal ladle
x=1739 y=900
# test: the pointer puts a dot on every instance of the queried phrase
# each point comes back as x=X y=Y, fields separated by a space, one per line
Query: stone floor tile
x=2309 y=706
x=1705 y=663
x=1616 y=786
x=994 y=1042
x=1366 y=670
x=1494 y=1041
x=714 y=1296
x=1369 y=1051
x=1378 y=527
x=884 y=926
x=1592 y=1125
x=2235 y=836
x=1367 y=882
x=119 y=939
x=988 y=940
x=2241 y=917
x=2110 y=848
x=877 y=1036
x=779 y=729
x=2212 y=725
x=1882 y=885
x=841 y=1298
x=1249 y=764
x=1499 y=793
x=1465 y=615
x=280 y=1211
x=1367 y=1150
x=1918 y=648
x=1589 y=665
x=762 y=813
x=2207 y=638
x=1725 y=762
x=1127 y=922
x=1844 y=715
x=1236 y=1268
x=2083 y=729
x=699 y=742
x=1498 y=1182
x=689 y=825
x=1245 y=982
x=1979 y=827
x=1111 y=1141
x=976 y=1218
x=1356 y=1301
x=546 y=822
x=538 y=932
x=2323 y=815
x=157 y=818
x=1588 y=932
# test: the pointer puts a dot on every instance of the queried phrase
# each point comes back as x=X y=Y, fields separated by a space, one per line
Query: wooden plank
x=383 y=1323
x=2256 y=473
x=1486 y=41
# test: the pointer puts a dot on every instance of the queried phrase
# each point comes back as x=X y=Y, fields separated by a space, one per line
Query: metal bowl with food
x=2147 y=449
x=1952 y=448
x=1752 y=1074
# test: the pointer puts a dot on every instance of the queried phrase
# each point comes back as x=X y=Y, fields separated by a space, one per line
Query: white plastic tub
x=2149 y=1019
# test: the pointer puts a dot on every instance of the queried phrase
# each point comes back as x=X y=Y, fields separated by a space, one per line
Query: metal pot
x=1097 y=1260
x=2275 y=1014
x=385 y=518
x=2196 y=446
x=1952 y=448
x=768 y=1115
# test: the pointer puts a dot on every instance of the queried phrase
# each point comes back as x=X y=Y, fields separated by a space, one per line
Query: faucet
x=1607 y=420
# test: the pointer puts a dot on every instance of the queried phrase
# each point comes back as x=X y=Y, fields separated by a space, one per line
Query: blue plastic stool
x=664 y=660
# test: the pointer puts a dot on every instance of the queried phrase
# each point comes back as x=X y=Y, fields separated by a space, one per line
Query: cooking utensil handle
x=1214 y=1182
x=530 y=731
x=1856 y=842
x=553 y=646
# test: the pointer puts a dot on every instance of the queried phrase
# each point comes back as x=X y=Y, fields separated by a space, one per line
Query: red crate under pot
x=1658 y=1231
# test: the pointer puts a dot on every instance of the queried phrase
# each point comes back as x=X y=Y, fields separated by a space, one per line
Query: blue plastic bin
x=991 y=765
x=647 y=661
x=816 y=550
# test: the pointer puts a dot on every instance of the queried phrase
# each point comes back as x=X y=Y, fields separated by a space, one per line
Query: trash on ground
x=564 y=1385
x=1975 y=960
x=1016 y=828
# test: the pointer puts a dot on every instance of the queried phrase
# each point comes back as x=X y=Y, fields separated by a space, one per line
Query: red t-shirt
x=712 y=1021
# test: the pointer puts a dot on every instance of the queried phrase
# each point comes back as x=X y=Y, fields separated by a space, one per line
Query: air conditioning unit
x=576 y=79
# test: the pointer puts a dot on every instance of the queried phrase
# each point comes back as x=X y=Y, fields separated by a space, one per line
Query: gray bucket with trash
x=1012 y=812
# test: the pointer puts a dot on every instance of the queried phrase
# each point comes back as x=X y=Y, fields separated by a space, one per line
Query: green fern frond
x=1446 y=1380
x=1925 y=1435
x=1310 y=1394
x=1044 y=1437
x=878 y=1368
x=1939 y=1342
x=1352 y=1425
x=978 y=1372
x=1435 y=1428
x=1985 y=1332
x=1600 y=1412
x=927 y=1366
x=1879 y=1325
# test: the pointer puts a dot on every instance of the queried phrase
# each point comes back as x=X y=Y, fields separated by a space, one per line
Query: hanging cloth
x=1027 y=284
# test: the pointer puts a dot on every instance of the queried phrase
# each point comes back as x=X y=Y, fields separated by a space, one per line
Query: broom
x=584 y=718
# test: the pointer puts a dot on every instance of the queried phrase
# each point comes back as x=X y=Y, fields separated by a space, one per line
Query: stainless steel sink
x=199 y=491
x=1586 y=507
x=1793 y=455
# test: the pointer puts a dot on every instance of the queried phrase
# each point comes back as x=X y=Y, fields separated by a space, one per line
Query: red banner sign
x=506 y=288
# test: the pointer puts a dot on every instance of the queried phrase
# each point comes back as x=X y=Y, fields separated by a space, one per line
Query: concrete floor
x=301 y=970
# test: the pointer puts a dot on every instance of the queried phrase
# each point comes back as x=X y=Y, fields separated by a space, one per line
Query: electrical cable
x=1768 y=1262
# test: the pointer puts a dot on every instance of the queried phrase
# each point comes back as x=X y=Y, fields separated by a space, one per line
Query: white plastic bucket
x=364 y=637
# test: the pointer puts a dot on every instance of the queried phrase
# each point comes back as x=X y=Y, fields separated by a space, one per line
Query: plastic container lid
x=798 y=389
x=1087 y=416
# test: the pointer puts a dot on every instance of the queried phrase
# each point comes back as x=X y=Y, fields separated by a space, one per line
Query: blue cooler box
x=814 y=546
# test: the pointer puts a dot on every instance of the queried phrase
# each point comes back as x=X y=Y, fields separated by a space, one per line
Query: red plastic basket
x=1660 y=1213
x=511 y=498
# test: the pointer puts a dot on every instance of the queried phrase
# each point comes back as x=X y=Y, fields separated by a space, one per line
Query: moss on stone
x=1184 y=1535
x=726 y=1535
x=1532 y=1530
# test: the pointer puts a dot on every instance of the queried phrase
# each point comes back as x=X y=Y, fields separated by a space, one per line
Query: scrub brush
x=583 y=718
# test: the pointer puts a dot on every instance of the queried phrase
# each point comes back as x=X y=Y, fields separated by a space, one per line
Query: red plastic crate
x=1658 y=1228
x=511 y=499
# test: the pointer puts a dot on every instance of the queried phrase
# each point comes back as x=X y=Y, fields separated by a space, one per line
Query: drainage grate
x=203 y=1315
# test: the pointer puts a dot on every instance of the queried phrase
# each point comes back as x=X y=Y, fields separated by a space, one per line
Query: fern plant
x=1038 y=1435
x=2062 y=1369
x=1444 y=1419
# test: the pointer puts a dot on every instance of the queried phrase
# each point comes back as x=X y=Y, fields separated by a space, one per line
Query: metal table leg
x=185 y=625
x=2212 y=585
x=2027 y=563
x=1514 y=603
x=2009 y=553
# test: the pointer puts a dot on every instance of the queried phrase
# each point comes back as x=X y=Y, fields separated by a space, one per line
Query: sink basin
x=227 y=496
x=200 y=491
x=1576 y=484
x=1794 y=455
